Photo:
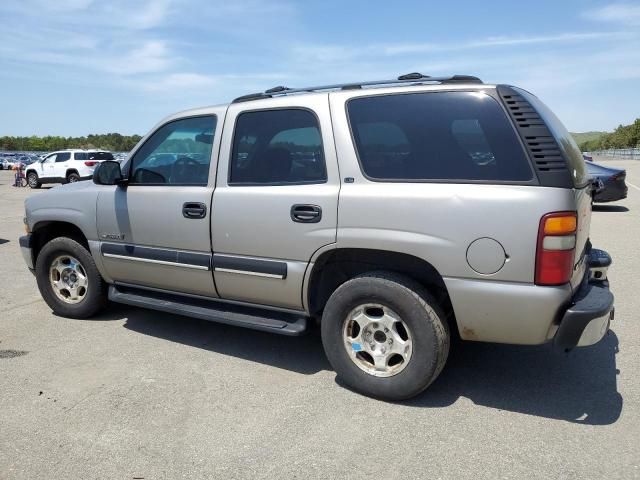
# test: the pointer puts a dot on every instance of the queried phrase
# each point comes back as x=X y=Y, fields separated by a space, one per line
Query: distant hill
x=625 y=136
x=583 y=137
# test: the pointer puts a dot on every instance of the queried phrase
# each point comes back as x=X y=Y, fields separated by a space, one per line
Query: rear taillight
x=556 y=248
x=90 y=164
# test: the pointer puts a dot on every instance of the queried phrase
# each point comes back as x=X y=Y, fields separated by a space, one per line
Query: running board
x=211 y=310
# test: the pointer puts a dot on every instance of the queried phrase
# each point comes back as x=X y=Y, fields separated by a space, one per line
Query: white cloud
x=623 y=13
x=152 y=56
x=179 y=81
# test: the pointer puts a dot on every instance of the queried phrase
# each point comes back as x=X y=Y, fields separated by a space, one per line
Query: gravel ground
x=139 y=394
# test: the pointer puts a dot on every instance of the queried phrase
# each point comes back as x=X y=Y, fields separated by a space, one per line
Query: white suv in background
x=65 y=166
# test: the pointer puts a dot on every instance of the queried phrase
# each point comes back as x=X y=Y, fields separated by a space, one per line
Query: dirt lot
x=139 y=394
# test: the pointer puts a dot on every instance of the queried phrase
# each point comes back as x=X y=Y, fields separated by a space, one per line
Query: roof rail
x=409 y=78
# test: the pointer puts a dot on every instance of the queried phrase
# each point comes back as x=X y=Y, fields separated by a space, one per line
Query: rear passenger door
x=59 y=168
x=276 y=198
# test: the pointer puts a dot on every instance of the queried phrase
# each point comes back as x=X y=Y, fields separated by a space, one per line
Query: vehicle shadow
x=579 y=387
x=302 y=354
x=3 y=241
x=609 y=208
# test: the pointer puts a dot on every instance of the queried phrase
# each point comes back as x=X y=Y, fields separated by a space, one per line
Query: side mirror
x=108 y=173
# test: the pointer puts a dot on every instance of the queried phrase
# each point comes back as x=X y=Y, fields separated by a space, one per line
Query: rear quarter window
x=436 y=136
x=567 y=144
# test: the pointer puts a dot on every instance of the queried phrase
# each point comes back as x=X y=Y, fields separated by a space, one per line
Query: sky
x=74 y=67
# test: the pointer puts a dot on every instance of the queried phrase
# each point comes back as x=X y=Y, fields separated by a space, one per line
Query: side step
x=212 y=310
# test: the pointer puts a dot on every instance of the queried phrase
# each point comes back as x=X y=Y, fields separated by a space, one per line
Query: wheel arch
x=70 y=171
x=334 y=267
x=46 y=231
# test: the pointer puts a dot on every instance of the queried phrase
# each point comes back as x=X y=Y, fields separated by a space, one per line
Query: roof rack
x=409 y=78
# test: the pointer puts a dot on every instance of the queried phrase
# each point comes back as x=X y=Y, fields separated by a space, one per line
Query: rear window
x=567 y=144
x=462 y=136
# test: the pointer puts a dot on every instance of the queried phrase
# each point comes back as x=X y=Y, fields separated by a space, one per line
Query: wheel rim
x=33 y=180
x=68 y=279
x=73 y=179
x=377 y=340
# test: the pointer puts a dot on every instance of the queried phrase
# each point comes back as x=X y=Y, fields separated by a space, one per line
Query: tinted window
x=81 y=156
x=178 y=153
x=436 y=136
x=63 y=157
x=565 y=141
x=277 y=147
x=100 y=155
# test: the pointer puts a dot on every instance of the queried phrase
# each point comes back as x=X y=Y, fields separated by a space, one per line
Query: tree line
x=625 y=136
x=110 y=141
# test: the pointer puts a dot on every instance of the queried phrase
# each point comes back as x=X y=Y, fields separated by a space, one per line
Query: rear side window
x=277 y=147
x=100 y=155
x=461 y=136
x=63 y=157
x=567 y=144
x=81 y=156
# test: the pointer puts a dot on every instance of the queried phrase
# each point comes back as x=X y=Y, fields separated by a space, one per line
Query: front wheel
x=32 y=180
x=68 y=279
x=385 y=335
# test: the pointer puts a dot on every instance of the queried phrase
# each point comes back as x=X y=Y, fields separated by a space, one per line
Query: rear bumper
x=587 y=318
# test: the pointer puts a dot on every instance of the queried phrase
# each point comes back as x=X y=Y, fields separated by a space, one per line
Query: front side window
x=277 y=147
x=462 y=136
x=178 y=153
x=50 y=159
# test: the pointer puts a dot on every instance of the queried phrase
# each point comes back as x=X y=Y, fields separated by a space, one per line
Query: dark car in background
x=613 y=182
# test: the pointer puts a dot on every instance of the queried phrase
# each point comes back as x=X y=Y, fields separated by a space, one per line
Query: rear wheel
x=73 y=177
x=68 y=279
x=385 y=335
x=32 y=180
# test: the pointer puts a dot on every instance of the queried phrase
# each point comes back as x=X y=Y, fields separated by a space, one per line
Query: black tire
x=417 y=308
x=96 y=294
x=73 y=177
x=32 y=180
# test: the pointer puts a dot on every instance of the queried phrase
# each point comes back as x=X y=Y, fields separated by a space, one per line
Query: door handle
x=194 y=210
x=306 y=213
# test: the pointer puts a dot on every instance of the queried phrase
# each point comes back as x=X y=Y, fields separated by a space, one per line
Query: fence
x=620 y=153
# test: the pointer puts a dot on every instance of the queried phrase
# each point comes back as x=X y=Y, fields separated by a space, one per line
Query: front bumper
x=587 y=318
x=26 y=247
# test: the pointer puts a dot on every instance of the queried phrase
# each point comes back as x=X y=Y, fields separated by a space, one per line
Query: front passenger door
x=47 y=165
x=155 y=231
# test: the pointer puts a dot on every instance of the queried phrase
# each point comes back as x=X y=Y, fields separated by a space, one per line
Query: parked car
x=8 y=161
x=391 y=212
x=613 y=186
x=65 y=166
x=587 y=157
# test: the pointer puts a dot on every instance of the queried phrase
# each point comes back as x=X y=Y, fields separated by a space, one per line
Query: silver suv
x=396 y=214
